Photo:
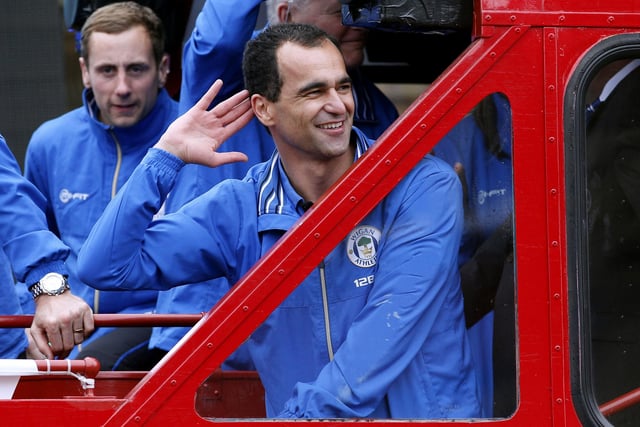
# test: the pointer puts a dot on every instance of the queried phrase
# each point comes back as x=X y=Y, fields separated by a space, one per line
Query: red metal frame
x=525 y=49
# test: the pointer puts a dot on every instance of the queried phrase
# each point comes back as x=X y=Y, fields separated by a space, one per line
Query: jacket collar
x=144 y=133
x=276 y=195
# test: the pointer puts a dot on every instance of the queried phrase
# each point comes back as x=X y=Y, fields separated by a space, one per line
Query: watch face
x=52 y=283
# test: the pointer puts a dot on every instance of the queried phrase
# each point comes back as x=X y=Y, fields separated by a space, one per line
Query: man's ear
x=84 y=69
x=163 y=70
x=262 y=109
x=282 y=12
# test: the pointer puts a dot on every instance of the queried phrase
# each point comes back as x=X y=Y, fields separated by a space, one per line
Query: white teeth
x=331 y=126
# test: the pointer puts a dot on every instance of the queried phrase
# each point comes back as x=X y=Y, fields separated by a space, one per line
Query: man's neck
x=311 y=180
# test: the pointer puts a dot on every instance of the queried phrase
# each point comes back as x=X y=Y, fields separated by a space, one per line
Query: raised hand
x=196 y=136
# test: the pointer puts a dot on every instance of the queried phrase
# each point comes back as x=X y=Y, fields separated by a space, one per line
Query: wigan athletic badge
x=362 y=246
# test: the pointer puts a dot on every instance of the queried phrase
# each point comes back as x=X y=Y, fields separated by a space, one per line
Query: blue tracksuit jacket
x=394 y=305
x=79 y=163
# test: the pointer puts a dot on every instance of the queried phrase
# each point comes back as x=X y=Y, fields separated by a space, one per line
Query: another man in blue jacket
x=214 y=51
x=36 y=257
x=81 y=159
x=378 y=329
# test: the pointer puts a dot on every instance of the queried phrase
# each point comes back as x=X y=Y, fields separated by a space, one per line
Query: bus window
x=612 y=177
x=479 y=148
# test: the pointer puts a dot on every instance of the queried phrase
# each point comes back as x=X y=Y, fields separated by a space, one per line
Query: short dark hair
x=260 y=65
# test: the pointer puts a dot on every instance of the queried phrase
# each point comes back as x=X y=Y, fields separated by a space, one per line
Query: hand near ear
x=196 y=136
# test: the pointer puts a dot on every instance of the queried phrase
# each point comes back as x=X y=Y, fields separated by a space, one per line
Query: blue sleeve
x=31 y=248
x=415 y=302
x=214 y=49
x=128 y=250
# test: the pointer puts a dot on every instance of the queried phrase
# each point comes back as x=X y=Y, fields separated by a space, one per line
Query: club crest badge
x=362 y=246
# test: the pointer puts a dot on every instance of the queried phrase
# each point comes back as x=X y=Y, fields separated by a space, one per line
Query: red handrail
x=24 y=321
x=620 y=402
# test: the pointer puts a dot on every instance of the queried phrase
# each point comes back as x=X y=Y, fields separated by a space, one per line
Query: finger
x=241 y=116
x=78 y=334
x=42 y=343
x=34 y=353
x=87 y=321
x=233 y=102
x=60 y=340
x=237 y=112
x=230 y=157
x=206 y=100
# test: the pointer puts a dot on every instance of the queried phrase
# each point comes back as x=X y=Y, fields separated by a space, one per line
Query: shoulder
x=61 y=128
x=432 y=166
x=432 y=178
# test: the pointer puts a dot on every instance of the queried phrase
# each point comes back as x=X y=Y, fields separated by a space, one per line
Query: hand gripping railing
x=86 y=370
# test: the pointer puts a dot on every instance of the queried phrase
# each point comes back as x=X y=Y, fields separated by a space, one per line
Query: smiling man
x=214 y=51
x=82 y=158
x=381 y=339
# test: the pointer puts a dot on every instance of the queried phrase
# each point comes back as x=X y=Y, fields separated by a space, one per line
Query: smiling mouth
x=331 y=125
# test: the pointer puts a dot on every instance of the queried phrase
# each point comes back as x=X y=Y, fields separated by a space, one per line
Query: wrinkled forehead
x=298 y=59
x=302 y=67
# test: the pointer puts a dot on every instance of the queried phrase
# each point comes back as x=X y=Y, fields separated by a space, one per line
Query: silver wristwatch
x=50 y=284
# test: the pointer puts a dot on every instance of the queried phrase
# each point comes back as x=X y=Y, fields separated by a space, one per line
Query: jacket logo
x=66 y=196
x=484 y=195
x=362 y=246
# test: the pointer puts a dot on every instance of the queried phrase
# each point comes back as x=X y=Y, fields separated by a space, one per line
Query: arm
x=34 y=251
x=481 y=275
x=414 y=303
x=214 y=49
x=124 y=250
